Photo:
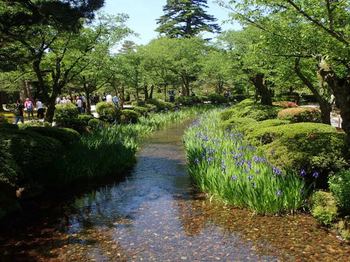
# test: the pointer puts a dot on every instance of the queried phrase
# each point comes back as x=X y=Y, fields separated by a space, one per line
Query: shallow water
x=155 y=214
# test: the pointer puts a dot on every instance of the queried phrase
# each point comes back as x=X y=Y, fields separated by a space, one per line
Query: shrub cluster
x=300 y=114
x=160 y=105
x=248 y=108
x=107 y=112
x=324 y=207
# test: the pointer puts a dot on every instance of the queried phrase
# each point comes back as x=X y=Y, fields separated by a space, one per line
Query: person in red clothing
x=28 y=105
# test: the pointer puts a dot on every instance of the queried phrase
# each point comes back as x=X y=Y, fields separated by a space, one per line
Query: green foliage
x=248 y=108
x=223 y=164
x=300 y=114
x=96 y=123
x=107 y=112
x=237 y=123
x=35 y=123
x=217 y=99
x=324 y=207
x=65 y=112
x=186 y=19
x=85 y=118
x=161 y=105
x=339 y=184
x=188 y=100
x=129 y=116
x=33 y=155
x=66 y=136
x=142 y=110
x=309 y=146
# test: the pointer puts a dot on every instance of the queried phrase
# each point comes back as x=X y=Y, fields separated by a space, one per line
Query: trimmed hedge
x=217 y=99
x=65 y=111
x=142 y=110
x=129 y=116
x=107 y=112
x=301 y=114
x=312 y=147
x=248 y=108
x=238 y=123
x=66 y=136
x=160 y=105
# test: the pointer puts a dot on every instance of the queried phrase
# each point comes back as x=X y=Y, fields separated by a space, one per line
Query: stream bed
x=155 y=214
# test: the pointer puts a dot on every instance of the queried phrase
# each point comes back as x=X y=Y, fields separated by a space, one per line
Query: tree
x=19 y=20
x=324 y=32
x=186 y=18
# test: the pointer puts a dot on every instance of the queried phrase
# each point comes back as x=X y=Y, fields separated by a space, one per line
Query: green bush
x=65 y=112
x=129 y=116
x=35 y=123
x=324 y=207
x=300 y=114
x=265 y=123
x=32 y=153
x=142 y=110
x=107 y=112
x=96 y=123
x=85 y=118
x=312 y=147
x=248 y=108
x=217 y=99
x=160 y=105
x=188 y=100
x=66 y=136
x=238 y=123
x=339 y=184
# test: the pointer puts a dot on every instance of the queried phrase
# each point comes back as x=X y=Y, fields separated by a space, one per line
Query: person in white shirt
x=40 y=109
x=79 y=104
x=109 y=98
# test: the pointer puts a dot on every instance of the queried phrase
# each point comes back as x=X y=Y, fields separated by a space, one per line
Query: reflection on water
x=156 y=215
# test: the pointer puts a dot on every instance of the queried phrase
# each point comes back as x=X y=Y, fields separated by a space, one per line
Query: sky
x=143 y=15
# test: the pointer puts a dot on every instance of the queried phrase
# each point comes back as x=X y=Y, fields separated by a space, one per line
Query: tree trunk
x=325 y=106
x=261 y=89
x=145 y=89
x=341 y=91
x=151 y=92
x=50 y=110
x=122 y=96
x=185 y=86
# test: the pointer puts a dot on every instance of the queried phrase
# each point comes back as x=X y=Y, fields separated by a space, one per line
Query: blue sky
x=143 y=15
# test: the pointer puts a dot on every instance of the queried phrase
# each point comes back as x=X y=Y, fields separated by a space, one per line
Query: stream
x=155 y=214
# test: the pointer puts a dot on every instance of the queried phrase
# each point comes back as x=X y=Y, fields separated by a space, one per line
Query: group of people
x=79 y=101
x=28 y=106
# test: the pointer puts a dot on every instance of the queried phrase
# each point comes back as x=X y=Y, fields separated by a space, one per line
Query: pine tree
x=186 y=18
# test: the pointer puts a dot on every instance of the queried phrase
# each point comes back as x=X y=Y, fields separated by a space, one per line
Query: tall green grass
x=223 y=164
x=111 y=150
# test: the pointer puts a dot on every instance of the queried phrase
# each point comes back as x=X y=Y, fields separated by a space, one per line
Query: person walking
x=39 y=109
x=115 y=101
x=19 y=112
x=28 y=105
x=79 y=104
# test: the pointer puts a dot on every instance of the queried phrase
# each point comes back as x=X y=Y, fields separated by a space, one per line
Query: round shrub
x=66 y=136
x=142 y=110
x=339 y=184
x=324 y=207
x=32 y=153
x=311 y=147
x=85 y=118
x=285 y=104
x=188 y=100
x=217 y=99
x=65 y=112
x=160 y=105
x=248 y=108
x=300 y=114
x=238 y=123
x=107 y=112
x=96 y=123
x=129 y=116
x=35 y=123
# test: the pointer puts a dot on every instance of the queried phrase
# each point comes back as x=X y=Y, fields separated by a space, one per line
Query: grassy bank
x=223 y=164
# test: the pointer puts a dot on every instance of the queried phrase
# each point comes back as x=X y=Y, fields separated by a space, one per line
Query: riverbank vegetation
x=36 y=159
x=249 y=158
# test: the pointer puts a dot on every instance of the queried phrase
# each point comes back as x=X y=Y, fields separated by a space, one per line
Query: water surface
x=155 y=214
